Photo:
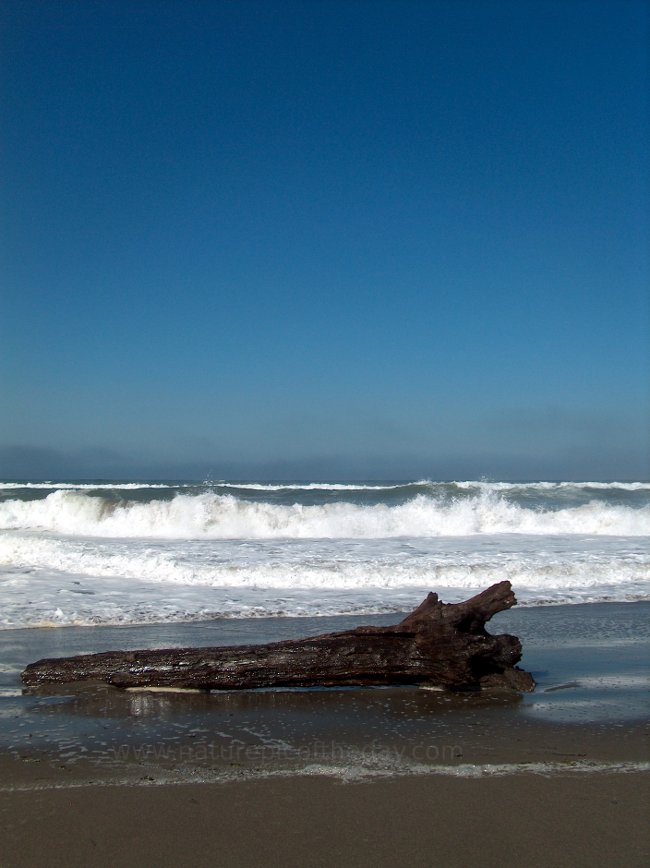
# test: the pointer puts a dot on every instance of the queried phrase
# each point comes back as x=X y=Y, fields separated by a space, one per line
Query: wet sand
x=526 y=819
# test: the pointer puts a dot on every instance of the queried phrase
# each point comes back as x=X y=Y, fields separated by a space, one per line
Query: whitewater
x=128 y=552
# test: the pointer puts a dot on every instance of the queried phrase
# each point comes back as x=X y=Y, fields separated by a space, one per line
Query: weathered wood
x=438 y=644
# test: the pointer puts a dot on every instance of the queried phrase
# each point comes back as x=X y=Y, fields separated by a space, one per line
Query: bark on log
x=439 y=644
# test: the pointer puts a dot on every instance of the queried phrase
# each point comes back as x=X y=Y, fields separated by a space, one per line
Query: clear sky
x=325 y=238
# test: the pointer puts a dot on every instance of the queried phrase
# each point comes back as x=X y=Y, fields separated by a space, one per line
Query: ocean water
x=121 y=553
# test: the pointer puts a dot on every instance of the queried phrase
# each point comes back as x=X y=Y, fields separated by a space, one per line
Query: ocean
x=91 y=553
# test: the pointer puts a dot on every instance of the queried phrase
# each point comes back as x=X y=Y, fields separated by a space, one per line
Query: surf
x=209 y=515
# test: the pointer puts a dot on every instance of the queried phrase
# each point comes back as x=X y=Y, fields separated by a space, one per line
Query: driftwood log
x=438 y=644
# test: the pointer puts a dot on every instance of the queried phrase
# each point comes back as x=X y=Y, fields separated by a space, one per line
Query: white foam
x=345 y=774
x=345 y=568
x=214 y=516
x=552 y=486
x=53 y=581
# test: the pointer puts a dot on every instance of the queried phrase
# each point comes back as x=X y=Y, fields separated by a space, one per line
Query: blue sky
x=320 y=238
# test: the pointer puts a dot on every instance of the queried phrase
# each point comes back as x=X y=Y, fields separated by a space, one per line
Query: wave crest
x=224 y=516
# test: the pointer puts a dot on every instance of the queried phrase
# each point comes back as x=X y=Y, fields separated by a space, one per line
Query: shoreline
x=589 y=662
x=352 y=736
x=374 y=776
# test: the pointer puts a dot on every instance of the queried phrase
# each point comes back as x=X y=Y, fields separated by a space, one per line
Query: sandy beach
x=351 y=777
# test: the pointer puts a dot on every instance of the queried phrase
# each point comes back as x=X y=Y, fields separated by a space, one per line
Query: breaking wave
x=209 y=515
